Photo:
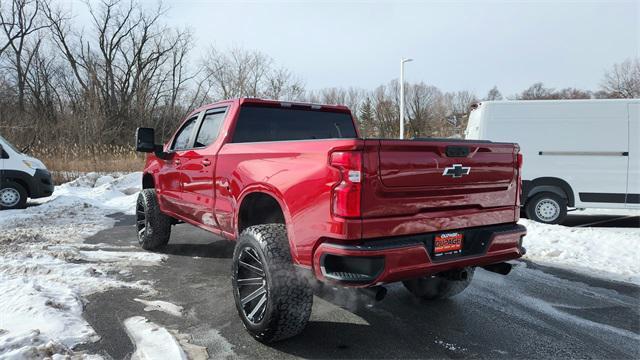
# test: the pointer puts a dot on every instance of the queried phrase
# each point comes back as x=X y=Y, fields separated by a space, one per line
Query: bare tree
x=25 y=20
x=246 y=73
x=493 y=94
x=386 y=110
x=623 y=80
x=573 y=93
x=129 y=66
x=425 y=109
x=537 y=91
x=281 y=84
x=458 y=106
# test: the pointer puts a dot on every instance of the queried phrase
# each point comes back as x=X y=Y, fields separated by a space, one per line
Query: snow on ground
x=152 y=341
x=160 y=305
x=46 y=270
x=610 y=253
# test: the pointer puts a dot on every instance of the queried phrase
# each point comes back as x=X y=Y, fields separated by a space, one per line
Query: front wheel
x=438 y=287
x=153 y=227
x=547 y=208
x=12 y=196
x=273 y=301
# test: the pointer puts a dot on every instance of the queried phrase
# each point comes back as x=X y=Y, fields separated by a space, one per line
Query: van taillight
x=346 y=194
x=519 y=160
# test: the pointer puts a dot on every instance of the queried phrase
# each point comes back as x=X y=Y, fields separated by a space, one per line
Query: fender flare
x=22 y=178
x=550 y=184
x=278 y=197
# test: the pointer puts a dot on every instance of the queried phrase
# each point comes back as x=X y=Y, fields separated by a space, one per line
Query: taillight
x=346 y=194
x=519 y=161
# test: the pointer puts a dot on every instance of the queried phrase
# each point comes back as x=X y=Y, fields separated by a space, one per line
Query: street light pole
x=402 y=61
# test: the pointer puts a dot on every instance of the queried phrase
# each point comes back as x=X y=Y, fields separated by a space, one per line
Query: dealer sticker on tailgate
x=448 y=243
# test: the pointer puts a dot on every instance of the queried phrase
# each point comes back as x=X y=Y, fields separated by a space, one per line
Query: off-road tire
x=16 y=188
x=157 y=226
x=438 y=287
x=289 y=297
x=550 y=198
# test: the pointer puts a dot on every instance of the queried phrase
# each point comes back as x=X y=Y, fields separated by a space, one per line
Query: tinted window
x=277 y=124
x=210 y=127
x=182 y=140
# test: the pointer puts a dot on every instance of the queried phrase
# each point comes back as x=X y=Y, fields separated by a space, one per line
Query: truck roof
x=283 y=103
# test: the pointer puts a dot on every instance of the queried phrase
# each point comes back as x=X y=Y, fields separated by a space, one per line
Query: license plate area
x=448 y=244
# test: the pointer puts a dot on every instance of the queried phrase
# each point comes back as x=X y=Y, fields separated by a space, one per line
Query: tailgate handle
x=457 y=151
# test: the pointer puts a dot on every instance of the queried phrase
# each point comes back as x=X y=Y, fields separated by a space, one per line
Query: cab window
x=183 y=137
x=210 y=128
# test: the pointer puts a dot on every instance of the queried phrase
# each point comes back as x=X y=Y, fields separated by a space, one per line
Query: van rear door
x=633 y=175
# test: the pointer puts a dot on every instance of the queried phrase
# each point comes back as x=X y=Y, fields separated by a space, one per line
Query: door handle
x=206 y=162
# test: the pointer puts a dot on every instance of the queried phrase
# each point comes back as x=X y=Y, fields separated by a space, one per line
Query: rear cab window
x=258 y=123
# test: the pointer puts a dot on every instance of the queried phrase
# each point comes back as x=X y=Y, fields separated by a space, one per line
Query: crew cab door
x=169 y=187
x=198 y=169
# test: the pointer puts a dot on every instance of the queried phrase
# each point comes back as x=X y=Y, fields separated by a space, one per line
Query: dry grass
x=70 y=161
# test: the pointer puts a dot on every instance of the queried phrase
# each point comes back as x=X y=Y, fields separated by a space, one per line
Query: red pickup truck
x=303 y=194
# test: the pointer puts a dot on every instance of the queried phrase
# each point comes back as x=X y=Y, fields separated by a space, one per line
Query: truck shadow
x=220 y=249
x=619 y=221
x=399 y=327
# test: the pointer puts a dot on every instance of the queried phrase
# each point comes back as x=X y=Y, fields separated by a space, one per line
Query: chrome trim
x=584 y=153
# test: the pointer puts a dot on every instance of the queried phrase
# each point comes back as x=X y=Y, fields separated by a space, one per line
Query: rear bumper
x=400 y=258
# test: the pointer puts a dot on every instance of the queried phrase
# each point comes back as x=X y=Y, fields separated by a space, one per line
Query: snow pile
x=611 y=253
x=46 y=270
x=104 y=191
x=159 y=305
x=152 y=341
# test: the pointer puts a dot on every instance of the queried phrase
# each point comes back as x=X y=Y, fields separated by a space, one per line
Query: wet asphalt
x=534 y=312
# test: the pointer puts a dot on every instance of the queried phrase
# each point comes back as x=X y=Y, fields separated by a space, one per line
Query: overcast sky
x=456 y=45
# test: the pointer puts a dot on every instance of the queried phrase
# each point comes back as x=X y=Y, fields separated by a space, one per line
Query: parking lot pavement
x=534 y=312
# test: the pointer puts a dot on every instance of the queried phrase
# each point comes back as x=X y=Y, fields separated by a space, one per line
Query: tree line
x=60 y=83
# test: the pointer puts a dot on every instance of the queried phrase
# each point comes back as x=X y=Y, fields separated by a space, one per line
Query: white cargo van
x=577 y=153
x=21 y=176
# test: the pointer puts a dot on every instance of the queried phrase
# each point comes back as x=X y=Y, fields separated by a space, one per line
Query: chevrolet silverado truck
x=307 y=199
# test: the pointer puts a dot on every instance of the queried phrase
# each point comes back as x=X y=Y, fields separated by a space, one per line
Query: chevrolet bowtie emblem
x=456 y=171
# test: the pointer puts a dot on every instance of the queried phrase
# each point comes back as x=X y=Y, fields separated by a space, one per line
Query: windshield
x=4 y=142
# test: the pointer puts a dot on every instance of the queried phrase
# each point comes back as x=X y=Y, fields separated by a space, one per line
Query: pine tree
x=367 y=119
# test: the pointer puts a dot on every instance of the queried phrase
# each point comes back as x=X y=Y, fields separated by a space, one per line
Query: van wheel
x=274 y=301
x=153 y=227
x=547 y=208
x=437 y=287
x=12 y=196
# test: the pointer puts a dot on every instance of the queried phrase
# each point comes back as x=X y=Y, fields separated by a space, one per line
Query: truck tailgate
x=406 y=178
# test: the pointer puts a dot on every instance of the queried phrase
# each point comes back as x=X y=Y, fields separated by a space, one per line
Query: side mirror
x=145 y=140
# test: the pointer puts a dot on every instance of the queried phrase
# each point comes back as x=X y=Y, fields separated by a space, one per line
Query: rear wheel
x=438 y=287
x=273 y=301
x=547 y=208
x=153 y=227
x=12 y=196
